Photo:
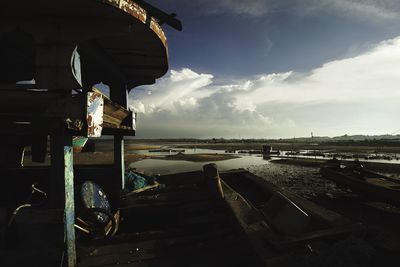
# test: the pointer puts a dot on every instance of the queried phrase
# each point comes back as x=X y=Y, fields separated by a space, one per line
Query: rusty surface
x=141 y=14
x=94 y=115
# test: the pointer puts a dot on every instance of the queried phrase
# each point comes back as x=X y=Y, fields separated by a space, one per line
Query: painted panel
x=94 y=116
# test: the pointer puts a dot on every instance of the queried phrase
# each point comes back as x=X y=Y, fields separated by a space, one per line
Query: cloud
x=386 y=9
x=250 y=7
x=367 y=9
x=353 y=95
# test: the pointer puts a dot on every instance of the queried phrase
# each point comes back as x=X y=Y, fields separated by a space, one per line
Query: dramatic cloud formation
x=354 y=95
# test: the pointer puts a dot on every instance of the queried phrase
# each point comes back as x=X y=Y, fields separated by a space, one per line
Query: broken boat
x=363 y=181
x=209 y=219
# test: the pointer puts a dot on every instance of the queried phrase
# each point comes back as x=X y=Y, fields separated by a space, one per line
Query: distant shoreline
x=347 y=146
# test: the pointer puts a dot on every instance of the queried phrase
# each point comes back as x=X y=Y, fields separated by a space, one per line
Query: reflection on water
x=186 y=151
x=159 y=166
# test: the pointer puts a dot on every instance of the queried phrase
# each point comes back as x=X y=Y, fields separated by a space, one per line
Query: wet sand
x=380 y=221
x=303 y=181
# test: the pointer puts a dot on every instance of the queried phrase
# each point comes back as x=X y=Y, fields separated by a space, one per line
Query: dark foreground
x=198 y=219
x=380 y=220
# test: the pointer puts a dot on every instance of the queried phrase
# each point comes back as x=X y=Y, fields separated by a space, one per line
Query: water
x=160 y=166
x=187 y=151
x=393 y=161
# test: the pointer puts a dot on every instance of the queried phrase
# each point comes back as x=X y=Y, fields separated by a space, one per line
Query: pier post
x=62 y=186
x=119 y=94
x=69 y=210
x=119 y=159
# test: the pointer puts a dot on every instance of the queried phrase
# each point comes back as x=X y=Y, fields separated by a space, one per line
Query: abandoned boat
x=364 y=181
x=207 y=219
x=198 y=218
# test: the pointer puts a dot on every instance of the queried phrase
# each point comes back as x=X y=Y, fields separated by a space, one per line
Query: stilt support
x=119 y=163
x=69 y=206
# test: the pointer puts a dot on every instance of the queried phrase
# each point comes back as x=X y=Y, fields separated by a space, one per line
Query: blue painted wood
x=69 y=211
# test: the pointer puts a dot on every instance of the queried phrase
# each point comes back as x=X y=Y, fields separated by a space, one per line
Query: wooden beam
x=162 y=17
x=62 y=185
x=119 y=94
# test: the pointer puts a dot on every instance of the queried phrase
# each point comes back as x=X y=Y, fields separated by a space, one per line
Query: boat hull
x=372 y=185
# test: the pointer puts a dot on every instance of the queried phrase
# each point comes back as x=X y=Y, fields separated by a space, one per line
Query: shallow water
x=187 y=151
x=304 y=181
x=160 y=166
x=219 y=151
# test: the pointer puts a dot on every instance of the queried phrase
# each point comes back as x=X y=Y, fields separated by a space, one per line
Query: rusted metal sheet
x=94 y=114
x=69 y=206
x=141 y=14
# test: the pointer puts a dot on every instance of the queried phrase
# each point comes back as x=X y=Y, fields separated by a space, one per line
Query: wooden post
x=119 y=159
x=213 y=181
x=69 y=211
x=57 y=171
x=119 y=94
x=62 y=184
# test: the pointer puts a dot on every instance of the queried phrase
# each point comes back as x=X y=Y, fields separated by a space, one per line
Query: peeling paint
x=94 y=115
x=69 y=211
x=141 y=14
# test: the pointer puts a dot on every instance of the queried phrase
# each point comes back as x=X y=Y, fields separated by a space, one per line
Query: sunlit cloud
x=356 y=95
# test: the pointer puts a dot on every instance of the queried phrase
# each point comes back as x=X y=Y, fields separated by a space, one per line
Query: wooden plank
x=19 y=102
x=69 y=205
x=197 y=244
x=163 y=17
x=17 y=87
x=116 y=118
x=118 y=131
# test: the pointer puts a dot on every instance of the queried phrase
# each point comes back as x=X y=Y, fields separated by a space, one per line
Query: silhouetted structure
x=53 y=54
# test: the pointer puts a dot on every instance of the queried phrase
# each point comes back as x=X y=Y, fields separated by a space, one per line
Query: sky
x=276 y=69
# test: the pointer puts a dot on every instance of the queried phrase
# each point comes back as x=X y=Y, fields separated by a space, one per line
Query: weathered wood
x=119 y=95
x=94 y=114
x=36 y=102
x=114 y=114
x=161 y=15
x=57 y=168
x=82 y=114
x=69 y=205
x=119 y=160
x=39 y=148
x=213 y=180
